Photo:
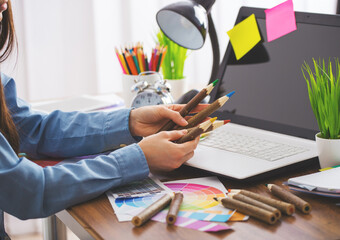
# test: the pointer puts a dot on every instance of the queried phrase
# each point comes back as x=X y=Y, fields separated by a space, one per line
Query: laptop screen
x=271 y=92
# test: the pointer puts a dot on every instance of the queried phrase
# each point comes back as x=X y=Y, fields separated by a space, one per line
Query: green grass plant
x=173 y=64
x=324 y=95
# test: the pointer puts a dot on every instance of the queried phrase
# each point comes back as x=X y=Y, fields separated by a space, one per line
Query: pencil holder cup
x=128 y=82
x=328 y=151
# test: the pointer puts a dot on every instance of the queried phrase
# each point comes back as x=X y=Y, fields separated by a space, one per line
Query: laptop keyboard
x=250 y=145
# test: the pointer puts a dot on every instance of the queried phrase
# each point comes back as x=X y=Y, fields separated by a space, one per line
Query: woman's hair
x=7 y=43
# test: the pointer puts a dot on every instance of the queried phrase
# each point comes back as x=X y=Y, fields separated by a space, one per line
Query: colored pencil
x=136 y=62
x=152 y=210
x=196 y=131
x=169 y=125
x=126 y=62
x=174 y=208
x=139 y=60
x=248 y=209
x=287 y=196
x=243 y=198
x=284 y=207
x=200 y=116
x=131 y=63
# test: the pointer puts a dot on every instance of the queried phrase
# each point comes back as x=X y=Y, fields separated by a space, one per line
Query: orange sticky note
x=244 y=36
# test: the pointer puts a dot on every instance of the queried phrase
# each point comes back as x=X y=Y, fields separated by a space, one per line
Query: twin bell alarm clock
x=151 y=89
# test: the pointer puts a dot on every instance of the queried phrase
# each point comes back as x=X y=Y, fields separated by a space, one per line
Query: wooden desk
x=98 y=219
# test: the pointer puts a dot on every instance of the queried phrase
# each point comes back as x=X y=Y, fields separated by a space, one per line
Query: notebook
x=325 y=181
x=272 y=123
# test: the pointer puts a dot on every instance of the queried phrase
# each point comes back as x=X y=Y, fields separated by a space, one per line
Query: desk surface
x=98 y=218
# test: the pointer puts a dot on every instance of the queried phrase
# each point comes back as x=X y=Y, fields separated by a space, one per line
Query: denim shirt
x=30 y=191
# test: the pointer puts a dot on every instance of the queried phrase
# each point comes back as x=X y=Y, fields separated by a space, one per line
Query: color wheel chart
x=196 y=196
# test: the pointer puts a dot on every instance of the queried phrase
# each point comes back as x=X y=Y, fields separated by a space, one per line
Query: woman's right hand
x=163 y=154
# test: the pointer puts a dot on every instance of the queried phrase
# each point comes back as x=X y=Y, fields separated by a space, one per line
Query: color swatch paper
x=280 y=20
x=244 y=36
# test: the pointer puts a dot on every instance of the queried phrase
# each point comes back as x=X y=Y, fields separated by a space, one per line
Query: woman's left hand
x=148 y=120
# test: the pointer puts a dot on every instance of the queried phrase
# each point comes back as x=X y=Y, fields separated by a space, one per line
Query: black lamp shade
x=185 y=23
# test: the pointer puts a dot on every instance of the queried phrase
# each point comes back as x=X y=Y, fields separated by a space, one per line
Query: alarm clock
x=151 y=89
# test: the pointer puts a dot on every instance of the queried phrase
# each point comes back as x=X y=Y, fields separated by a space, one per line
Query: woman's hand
x=148 y=120
x=163 y=154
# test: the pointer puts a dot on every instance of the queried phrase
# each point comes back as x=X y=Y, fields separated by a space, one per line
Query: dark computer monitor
x=271 y=92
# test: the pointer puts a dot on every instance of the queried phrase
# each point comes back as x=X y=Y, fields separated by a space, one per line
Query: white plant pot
x=328 y=151
x=178 y=87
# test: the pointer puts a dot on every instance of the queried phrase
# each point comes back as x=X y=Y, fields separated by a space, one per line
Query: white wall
x=66 y=47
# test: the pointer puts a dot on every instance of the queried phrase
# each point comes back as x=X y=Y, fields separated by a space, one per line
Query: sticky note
x=280 y=20
x=244 y=36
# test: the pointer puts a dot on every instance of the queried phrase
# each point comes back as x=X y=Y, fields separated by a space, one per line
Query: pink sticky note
x=280 y=20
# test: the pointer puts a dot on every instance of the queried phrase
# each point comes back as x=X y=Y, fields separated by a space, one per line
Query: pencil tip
x=215 y=198
x=215 y=82
x=230 y=94
x=213 y=119
x=226 y=121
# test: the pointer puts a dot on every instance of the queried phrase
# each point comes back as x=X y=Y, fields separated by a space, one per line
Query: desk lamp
x=187 y=23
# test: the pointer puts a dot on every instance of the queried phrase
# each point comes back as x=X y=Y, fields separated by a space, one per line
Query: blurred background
x=66 y=48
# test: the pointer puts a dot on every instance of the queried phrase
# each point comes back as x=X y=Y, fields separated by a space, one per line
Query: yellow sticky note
x=244 y=36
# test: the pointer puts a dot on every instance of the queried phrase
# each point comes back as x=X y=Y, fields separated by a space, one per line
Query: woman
x=29 y=191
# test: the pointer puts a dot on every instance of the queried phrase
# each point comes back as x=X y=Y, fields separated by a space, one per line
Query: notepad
x=325 y=181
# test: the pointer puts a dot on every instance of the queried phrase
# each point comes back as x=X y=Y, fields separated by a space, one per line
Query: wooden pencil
x=190 y=105
x=248 y=209
x=196 y=131
x=127 y=64
x=131 y=63
x=243 y=198
x=135 y=61
x=174 y=208
x=214 y=125
x=284 y=207
x=287 y=196
x=150 y=211
x=200 y=116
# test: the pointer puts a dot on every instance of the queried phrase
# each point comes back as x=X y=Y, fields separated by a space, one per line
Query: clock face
x=147 y=98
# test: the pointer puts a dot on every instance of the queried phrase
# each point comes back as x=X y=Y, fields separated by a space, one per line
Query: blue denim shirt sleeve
x=29 y=191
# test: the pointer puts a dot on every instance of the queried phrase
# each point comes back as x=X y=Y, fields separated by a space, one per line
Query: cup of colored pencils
x=133 y=60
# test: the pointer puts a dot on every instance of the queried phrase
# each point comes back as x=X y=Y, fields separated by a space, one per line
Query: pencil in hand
x=200 y=116
x=174 y=208
x=287 y=196
x=195 y=132
x=191 y=105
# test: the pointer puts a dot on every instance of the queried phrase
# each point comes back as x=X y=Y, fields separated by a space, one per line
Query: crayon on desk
x=285 y=195
x=174 y=208
x=245 y=208
x=200 y=116
x=152 y=210
x=243 y=198
x=190 y=105
x=284 y=207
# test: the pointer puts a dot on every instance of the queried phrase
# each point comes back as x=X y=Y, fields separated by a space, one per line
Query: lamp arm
x=215 y=49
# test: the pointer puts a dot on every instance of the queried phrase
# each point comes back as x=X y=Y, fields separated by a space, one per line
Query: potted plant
x=324 y=95
x=173 y=64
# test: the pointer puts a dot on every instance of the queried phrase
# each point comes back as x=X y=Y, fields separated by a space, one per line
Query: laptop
x=272 y=123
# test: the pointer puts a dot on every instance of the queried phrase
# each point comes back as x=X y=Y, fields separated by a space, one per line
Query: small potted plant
x=324 y=94
x=173 y=64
